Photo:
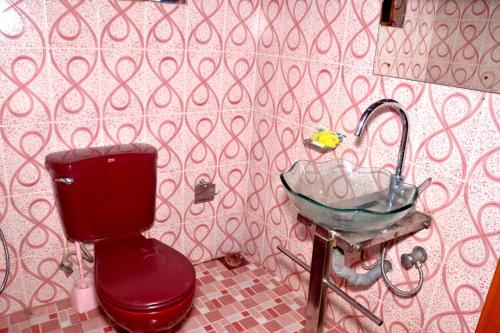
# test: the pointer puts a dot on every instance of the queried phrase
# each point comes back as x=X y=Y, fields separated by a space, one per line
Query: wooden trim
x=490 y=319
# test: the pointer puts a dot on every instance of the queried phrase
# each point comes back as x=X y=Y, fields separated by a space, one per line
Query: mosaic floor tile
x=246 y=299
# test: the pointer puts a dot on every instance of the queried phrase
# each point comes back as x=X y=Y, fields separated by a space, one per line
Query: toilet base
x=160 y=320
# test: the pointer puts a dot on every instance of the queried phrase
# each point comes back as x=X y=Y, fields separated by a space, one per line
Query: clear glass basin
x=341 y=196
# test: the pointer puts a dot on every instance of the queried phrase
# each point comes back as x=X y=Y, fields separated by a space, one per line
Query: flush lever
x=64 y=180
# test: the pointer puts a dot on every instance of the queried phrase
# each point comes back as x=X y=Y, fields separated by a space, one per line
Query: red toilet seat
x=142 y=283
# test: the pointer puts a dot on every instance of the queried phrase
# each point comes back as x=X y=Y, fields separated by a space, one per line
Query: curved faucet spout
x=396 y=106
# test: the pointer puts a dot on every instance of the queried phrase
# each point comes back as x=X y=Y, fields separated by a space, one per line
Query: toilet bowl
x=107 y=195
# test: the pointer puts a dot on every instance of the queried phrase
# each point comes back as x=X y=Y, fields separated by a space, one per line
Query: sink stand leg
x=318 y=291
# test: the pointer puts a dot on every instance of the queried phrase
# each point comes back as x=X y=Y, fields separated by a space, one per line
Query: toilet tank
x=104 y=191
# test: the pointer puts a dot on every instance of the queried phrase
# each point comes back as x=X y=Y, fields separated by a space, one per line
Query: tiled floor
x=247 y=299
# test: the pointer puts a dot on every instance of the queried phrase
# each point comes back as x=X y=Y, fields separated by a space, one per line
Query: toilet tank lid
x=68 y=159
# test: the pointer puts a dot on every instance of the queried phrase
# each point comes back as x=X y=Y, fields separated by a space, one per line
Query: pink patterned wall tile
x=487 y=120
x=475 y=10
x=357 y=90
x=290 y=90
x=44 y=282
x=33 y=218
x=281 y=212
x=206 y=25
x=239 y=81
x=201 y=140
x=361 y=36
x=14 y=297
x=296 y=277
x=254 y=236
x=291 y=28
x=241 y=26
x=75 y=80
x=404 y=315
x=262 y=132
x=72 y=25
x=122 y=83
x=199 y=240
x=229 y=232
x=283 y=148
x=232 y=182
x=479 y=195
x=457 y=303
x=169 y=199
x=84 y=134
x=167 y=80
x=166 y=134
x=170 y=233
x=121 y=25
x=325 y=27
x=122 y=130
x=450 y=148
x=256 y=202
x=234 y=137
x=269 y=39
x=301 y=235
x=204 y=75
x=24 y=150
x=165 y=27
x=272 y=258
x=26 y=97
x=267 y=68
x=25 y=24
x=320 y=91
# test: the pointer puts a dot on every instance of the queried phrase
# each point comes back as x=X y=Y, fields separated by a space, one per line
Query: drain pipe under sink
x=359 y=279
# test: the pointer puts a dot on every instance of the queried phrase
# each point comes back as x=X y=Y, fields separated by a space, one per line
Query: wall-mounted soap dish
x=316 y=146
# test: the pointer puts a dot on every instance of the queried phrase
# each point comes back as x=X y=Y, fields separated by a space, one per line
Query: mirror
x=449 y=42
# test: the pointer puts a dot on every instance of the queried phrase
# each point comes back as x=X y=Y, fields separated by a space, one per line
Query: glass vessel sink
x=342 y=196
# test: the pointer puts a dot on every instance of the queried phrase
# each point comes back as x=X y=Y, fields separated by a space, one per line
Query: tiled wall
x=82 y=73
x=447 y=42
x=314 y=68
x=211 y=93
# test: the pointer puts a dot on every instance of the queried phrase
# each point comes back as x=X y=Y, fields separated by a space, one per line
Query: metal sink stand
x=324 y=241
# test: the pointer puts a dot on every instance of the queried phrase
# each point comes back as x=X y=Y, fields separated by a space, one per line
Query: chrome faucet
x=397 y=179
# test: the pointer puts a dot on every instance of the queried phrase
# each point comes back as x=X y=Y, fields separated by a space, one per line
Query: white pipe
x=358 y=279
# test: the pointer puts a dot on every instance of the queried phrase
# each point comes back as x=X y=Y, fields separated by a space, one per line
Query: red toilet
x=107 y=195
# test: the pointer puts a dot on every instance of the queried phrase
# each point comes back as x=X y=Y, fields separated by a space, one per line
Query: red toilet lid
x=144 y=274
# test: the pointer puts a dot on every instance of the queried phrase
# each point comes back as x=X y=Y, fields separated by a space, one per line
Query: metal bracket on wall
x=204 y=192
